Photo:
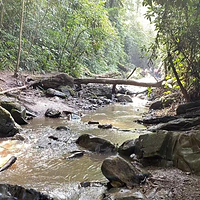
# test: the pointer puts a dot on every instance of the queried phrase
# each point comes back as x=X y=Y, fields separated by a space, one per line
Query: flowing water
x=41 y=162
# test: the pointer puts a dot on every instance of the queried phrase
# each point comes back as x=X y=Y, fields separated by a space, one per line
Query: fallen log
x=117 y=81
x=64 y=79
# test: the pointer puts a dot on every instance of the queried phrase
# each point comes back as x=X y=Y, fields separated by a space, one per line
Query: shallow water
x=42 y=163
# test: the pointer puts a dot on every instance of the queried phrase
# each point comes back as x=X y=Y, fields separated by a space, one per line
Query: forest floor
x=166 y=183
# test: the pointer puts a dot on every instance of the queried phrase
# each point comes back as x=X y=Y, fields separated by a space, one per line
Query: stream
x=41 y=162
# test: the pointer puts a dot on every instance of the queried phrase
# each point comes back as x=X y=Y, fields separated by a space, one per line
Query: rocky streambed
x=96 y=154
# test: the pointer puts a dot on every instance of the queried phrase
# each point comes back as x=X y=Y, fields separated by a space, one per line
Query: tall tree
x=20 y=38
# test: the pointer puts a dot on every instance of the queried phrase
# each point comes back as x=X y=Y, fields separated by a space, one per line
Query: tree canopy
x=69 y=35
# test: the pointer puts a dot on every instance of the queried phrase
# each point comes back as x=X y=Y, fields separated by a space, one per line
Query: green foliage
x=178 y=39
x=68 y=35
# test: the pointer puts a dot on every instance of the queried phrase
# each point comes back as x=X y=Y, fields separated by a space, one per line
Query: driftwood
x=117 y=81
x=14 y=89
x=18 y=88
x=8 y=163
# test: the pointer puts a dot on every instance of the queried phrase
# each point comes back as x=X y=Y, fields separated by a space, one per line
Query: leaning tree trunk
x=20 y=40
x=183 y=90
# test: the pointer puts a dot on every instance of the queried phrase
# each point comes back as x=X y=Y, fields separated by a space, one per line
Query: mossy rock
x=17 y=111
x=8 y=126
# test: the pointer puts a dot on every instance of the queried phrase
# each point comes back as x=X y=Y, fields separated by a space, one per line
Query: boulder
x=12 y=192
x=67 y=90
x=149 y=145
x=186 y=155
x=187 y=107
x=17 y=111
x=64 y=128
x=52 y=113
x=99 y=91
x=124 y=194
x=127 y=148
x=52 y=92
x=56 y=81
x=8 y=126
x=156 y=120
x=95 y=144
x=124 y=98
x=122 y=173
x=181 y=148
x=160 y=104
x=177 y=124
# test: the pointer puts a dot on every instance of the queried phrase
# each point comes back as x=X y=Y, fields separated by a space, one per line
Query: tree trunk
x=117 y=81
x=183 y=90
x=20 y=40
x=2 y=12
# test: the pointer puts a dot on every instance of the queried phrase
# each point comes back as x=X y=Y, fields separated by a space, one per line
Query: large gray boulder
x=186 y=155
x=8 y=127
x=95 y=144
x=149 y=145
x=180 y=148
x=120 y=172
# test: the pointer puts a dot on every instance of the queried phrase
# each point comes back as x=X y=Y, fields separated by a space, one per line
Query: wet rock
x=52 y=113
x=95 y=144
x=93 y=122
x=92 y=184
x=156 y=120
x=53 y=137
x=8 y=126
x=177 y=124
x=124 y=194
x=18 y=116
x=93 y=91
x=124 y=90
x=124 y=98
x=17 y=111
x=67 y=90
x=65 y=128
x=9 y=192
x=122 y=173
x=107 y=101
x=52 y=92
x=127 y=148
x=105 y=126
